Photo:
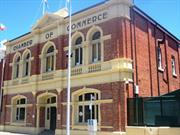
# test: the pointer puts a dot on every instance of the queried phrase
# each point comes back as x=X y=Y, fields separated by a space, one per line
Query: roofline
x=138 y=10
x=134 y=7
x=98 y=4
x=19 y=36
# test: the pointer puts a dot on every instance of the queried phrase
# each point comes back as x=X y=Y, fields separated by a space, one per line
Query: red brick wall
x=112 y=114
x=139 y=40
x=113 y=48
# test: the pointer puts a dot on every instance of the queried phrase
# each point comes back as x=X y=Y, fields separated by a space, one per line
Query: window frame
x=19 y=105
x=159 y=58
x=16 y=66
x=173 y=65
x=49 y=60
x=27 y=65
x=78 y=51
x=96 y=47
x=84 y=103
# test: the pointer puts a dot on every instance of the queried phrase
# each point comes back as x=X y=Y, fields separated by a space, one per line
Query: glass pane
x=86 y=113
x=96 y=35
x=97 y=113
x=88 y=96
x=48 y=64
x=97 y=98
x=99 y=51
x=81 y=98
x=53 y=100
x=94 y=53
x=17 y=70
x=80 y=114
x=48 y=101
x=18 y=102
x=27 y=68
x=18 y=59
x=81 y=55
x=76 y=56
x=47 y=114
x=17 y=114
x=93 y=112
x=22 y=101
x=28 y=56
x=22 y=114
x=52 y=63
x=78 y=41
x=50 y=49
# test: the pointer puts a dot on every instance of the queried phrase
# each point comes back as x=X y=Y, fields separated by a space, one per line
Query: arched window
x=87 y=107
x=49 y=58
x=96 y=47
x=19 y=109
x=159 y=55
x=26 y=62
x=78 y=51
x=173 y=65
x=16 y=67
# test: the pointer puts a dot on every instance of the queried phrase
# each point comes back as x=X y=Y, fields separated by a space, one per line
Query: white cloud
x=2 y=46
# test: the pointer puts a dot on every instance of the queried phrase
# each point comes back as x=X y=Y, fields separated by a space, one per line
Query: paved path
x=8 y=133
x=46 y=132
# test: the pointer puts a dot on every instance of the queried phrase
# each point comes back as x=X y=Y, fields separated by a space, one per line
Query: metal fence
x=156 y=111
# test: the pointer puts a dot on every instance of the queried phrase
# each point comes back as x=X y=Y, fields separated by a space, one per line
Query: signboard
x=87 y=21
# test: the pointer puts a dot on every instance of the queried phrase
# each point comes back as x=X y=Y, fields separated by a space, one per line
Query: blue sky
x=20 y=15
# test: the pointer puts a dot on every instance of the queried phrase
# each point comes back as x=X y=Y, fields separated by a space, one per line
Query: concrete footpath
x=9 y=133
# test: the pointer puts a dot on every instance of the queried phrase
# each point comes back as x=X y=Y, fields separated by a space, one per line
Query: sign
x=88 y=21
x=49 y=35
x=22 y=45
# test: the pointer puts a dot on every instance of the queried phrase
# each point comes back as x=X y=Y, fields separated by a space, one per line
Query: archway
x=47 y=111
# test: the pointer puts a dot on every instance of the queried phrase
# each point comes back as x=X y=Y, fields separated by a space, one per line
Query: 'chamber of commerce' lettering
x=87 y=21
x=23 y=45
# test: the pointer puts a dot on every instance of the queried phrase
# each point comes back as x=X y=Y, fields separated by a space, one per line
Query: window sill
x=175 y=75
x=77 y=65
x=48 y=72
x=160 y=69
x=18 y=123
x=82 y=126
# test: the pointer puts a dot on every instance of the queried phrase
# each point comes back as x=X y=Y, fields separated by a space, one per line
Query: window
x=50 y=59
x=78 y=51
x=173 y=65
x=48 y=113
x=96 y=47
x=87 y=108
x=27 y=65
x=51 y=100
x=159 y=55
x=20 y=109
x=16 y=67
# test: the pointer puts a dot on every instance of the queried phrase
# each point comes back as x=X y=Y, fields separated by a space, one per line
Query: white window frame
x=51 y=57
x=173 y=63
x=16 y=107
x=83 y=104
x=159 y=58
x=29 y=65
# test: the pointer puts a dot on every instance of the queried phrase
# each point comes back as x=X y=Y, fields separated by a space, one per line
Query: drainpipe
x=158 y=42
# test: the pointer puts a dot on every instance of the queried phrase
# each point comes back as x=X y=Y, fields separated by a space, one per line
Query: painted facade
x=116 y=47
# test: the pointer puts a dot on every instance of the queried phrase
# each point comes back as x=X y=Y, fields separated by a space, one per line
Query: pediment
x=49 y=18
x=46 y=20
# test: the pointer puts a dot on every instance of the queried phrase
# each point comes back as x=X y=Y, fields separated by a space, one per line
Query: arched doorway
x=47 y=111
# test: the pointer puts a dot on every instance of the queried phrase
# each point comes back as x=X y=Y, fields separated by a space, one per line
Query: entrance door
x=53 y=118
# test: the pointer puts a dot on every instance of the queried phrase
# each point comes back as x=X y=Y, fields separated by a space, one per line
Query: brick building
x=116 y=49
